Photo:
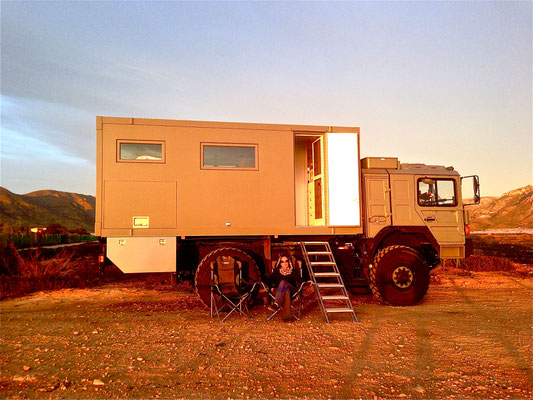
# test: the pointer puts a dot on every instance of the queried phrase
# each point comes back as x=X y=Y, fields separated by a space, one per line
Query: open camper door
x=316 y=184
x=344 y=208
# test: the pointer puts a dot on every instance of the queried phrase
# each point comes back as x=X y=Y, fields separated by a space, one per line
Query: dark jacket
x=295 y=278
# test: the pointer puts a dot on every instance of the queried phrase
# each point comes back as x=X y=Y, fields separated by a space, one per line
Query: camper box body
x=179 y=194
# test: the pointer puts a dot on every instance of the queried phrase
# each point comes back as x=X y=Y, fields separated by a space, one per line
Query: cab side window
x=436 y=192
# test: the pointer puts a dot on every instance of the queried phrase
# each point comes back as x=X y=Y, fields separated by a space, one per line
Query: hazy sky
x=435 y=82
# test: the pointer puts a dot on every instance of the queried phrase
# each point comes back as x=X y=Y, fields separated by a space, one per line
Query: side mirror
x=476 y=197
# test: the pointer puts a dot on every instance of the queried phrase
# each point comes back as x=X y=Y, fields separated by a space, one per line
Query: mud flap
x=469 y=247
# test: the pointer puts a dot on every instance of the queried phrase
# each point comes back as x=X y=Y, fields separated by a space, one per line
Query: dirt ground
x=471 y=337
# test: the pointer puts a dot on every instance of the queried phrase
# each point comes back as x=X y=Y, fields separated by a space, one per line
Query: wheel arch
x=418 y=238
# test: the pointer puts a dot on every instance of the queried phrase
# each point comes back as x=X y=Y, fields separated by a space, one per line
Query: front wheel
x=399 y=276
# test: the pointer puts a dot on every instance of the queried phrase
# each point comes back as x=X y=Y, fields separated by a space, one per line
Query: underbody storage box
x=143 y=254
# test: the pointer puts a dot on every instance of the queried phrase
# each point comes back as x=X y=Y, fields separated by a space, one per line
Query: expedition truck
x=173 y=196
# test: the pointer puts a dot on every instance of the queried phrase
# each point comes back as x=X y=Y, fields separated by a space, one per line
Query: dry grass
x=35 y=267
x=33 y=272
x=478 y=263
x=487 y=263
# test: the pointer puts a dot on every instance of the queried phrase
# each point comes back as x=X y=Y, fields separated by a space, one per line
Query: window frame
x=255 y=146
x=437 y=192
x=133 y=141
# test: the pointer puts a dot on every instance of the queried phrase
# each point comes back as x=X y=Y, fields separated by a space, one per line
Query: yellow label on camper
x=141 y=222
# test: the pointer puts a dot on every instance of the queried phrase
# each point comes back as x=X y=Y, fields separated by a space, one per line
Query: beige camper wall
x=99 y=179
x=207 y=199
x=182 y=199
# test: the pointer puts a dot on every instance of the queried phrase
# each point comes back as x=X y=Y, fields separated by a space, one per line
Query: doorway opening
x=309 y=179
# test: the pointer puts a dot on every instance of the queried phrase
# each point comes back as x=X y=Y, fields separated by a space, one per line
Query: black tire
x=399 y=276
x=202 y=278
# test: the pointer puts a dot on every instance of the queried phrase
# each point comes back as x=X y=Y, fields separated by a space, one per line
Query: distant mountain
x=45 y=207
x=513 y=209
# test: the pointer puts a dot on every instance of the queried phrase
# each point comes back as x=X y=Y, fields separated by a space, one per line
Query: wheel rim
x=402 y=277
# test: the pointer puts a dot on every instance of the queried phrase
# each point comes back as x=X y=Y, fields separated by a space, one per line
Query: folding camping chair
x=296 y=297
x=228 y=291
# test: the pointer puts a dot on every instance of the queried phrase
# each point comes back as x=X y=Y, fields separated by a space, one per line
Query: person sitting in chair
x=285 y=279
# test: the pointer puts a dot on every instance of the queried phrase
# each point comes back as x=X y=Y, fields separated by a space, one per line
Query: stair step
x=322 y=263
x=335 y=298
x=318 y=253
x=338 y=310
x=329 y=285
x=326 y=274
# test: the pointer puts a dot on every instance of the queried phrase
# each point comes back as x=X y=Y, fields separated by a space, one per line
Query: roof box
x=380 y=163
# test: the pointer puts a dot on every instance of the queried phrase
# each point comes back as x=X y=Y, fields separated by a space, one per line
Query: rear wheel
x=399 y=276
x=202 y=279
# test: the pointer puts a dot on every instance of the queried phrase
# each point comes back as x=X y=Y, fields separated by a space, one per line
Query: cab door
x=440 y=209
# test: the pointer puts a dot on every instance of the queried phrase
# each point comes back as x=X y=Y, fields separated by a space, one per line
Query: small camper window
x=229 y=156
x=141 y=151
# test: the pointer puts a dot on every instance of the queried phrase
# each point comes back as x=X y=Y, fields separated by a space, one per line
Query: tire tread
x=373 y=271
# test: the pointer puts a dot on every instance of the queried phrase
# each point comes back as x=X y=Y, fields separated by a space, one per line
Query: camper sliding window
x=137 y=151
x=434 y=192
x=235 y=156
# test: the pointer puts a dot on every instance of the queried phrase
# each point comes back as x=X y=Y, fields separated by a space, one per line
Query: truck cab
x=414 y=196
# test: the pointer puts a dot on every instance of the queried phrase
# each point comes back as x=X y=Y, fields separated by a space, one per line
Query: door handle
x=429 y=219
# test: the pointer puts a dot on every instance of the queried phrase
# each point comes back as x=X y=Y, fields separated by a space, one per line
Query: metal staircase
x=324 y=272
